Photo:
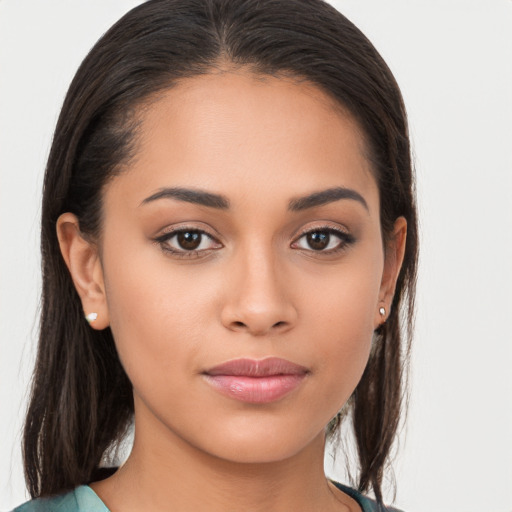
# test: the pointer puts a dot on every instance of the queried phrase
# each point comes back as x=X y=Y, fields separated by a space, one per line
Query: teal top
x=84 y=499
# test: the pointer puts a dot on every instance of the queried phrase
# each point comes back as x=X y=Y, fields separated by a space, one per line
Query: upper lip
x=257 y=368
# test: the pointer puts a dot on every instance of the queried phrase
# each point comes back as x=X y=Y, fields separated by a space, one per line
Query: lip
x=256 y=381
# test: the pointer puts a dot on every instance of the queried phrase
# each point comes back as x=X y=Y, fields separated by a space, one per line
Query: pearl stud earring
x=382 y=311
x=91 y=317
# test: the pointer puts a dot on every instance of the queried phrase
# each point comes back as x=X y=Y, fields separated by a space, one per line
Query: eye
x=326 y=240
x=187 y=242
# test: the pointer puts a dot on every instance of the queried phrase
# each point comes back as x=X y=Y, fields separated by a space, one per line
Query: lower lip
x=255 y=390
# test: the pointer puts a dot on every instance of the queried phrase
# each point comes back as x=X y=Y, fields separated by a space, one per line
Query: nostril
x=239 y=324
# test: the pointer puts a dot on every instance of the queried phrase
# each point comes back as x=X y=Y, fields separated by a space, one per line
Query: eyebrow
x=324 y=197
x=221 y=202
x=190 y=195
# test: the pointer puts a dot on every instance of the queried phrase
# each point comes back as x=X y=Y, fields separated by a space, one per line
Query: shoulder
x=62 y=503
x=81 y=499
x=366 y=504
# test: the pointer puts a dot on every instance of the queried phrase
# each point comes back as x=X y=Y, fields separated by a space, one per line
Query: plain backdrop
x=453 y=61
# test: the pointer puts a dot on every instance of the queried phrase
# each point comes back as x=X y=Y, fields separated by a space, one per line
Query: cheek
x=346 y=296
x=341 y=314
x=157 y=316
x=344 y=335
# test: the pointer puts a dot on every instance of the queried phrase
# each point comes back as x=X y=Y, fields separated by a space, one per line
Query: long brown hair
x=81 y=399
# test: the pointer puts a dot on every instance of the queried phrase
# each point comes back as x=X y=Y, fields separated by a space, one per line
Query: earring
x=382 y=311
x=91 y=317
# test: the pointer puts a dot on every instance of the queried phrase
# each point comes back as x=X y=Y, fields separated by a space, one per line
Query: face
x=242 y=266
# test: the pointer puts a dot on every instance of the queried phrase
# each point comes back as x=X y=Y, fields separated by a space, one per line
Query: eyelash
x=164 y=239
x=345 y=240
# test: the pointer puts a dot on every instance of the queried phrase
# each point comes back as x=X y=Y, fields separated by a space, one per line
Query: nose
x=257 y=300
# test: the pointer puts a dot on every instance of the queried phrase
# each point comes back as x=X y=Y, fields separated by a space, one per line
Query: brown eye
x=189 y=240
x=325 y=240
x=318 y=240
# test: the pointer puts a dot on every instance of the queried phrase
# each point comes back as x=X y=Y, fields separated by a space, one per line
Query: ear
x=393 y=259
x=84 y=265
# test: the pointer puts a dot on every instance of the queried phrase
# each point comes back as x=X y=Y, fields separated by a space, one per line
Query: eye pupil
x=318 y=240
x=189 y=239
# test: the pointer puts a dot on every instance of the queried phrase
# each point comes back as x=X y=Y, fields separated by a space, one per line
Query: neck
x=179 y=477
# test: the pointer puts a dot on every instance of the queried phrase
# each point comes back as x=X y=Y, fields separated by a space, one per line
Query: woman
x=229 y=246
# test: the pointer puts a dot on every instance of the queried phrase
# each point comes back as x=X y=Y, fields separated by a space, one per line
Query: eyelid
x=346 y=238
x=172 y=231
x=189 y=226
x=325 y=226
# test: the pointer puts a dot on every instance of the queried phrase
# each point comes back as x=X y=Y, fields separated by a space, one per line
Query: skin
x=255 y=289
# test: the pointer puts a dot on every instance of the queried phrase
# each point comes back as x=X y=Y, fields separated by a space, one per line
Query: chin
x=269 y=446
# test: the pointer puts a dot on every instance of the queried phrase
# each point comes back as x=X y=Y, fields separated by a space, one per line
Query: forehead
x=248 y=134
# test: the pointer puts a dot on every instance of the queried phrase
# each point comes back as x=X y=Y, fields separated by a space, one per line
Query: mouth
x=256 y=381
